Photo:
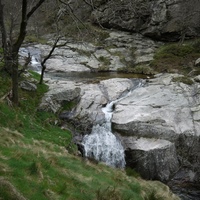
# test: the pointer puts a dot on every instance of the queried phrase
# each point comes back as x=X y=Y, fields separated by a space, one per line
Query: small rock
x=197 y=78
x=152 y=158
x=197 y=62
x=25 y=85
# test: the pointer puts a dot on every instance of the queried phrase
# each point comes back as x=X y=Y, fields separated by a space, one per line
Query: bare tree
x=11 y=45
x=55 y=45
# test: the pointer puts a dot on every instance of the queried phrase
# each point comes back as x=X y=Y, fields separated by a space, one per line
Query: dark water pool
x=92 y=76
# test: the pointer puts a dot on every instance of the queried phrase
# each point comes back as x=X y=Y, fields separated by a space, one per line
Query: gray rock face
x=120 y=50
x=152 y=158
x=91 y=97
x=157 y=123
x=58 y=95
x=25 y=85
x=163 y=110
x=95 y=96
x=197 y=62
x=161 y=19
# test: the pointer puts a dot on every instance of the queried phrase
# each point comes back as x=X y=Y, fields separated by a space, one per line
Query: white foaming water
x=102 y=145
x=35 y=64
x=34 y=61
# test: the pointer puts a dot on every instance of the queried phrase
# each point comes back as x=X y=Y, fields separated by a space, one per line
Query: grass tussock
x=37 y=163
x=176 y=57
x=183 y=79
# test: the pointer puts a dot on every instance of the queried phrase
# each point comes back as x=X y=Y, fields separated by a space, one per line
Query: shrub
x=183 y=79
x=132 y=172
x=174 y=50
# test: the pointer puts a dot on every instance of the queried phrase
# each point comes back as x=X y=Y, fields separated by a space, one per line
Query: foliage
x=132 y=172
x=142 y=69
x=183 y=79
x=34 y=39
x=1 y=51
x=84 y=32
x=109 y=193
x=176 y=57
x=104 y=60
x=84 y=52
x=174 y=50
x=138 y=69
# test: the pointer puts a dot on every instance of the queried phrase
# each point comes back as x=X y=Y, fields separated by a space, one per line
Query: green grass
x=176 y=57
x=183 y=79
x=138 y=69
x=38 y=160
x=33 y=39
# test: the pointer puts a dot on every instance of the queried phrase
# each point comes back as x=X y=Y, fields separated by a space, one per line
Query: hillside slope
x=38 y=159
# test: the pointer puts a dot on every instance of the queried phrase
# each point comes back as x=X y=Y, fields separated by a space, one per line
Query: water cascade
x=102 y=145
x=35 y=55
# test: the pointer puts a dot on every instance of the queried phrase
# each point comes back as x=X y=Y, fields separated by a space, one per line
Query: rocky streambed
x=158 y=123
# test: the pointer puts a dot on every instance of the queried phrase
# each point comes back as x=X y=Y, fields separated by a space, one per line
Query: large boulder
x=161 y=109
x=90 y=98
x=166 y=110
x=152 y=158
x=161 y=19
x=95 y=96
x=58 y=95
x=25 y=85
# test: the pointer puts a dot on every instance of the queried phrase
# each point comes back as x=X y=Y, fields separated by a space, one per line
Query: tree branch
x=23 y=25
x=35 y=8
x=24 y=21
x=55 y=45
x=2 y=27
x=72 y=12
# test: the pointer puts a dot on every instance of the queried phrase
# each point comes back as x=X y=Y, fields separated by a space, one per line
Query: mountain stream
x=102 y=145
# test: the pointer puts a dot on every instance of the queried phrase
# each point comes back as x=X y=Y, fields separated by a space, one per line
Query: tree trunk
x=42 y=73
x=15 y=97
x=11 y=50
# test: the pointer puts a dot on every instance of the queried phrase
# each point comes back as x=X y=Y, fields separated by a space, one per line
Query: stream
x=101 y=144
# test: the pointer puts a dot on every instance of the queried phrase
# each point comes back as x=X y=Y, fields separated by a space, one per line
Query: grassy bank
x=177 y=57
x=38 y=159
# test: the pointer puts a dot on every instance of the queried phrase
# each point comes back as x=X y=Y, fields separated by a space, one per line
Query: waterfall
x=35 y=54
x=102 y=145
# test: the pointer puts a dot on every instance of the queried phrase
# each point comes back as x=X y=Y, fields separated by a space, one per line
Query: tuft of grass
x=143 y=69
x=110 y=193
x=183 y=79
x=34 y=39
x=176 y=57
x=132 y=172
x=84 y=52
x=35 y=75
x=104 y=60
x=8 y=191
x=85 y=32
x=174 y=50
x=34 y=168
x=138 y=69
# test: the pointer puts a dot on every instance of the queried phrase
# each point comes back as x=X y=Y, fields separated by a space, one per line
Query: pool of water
x=92 y=76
